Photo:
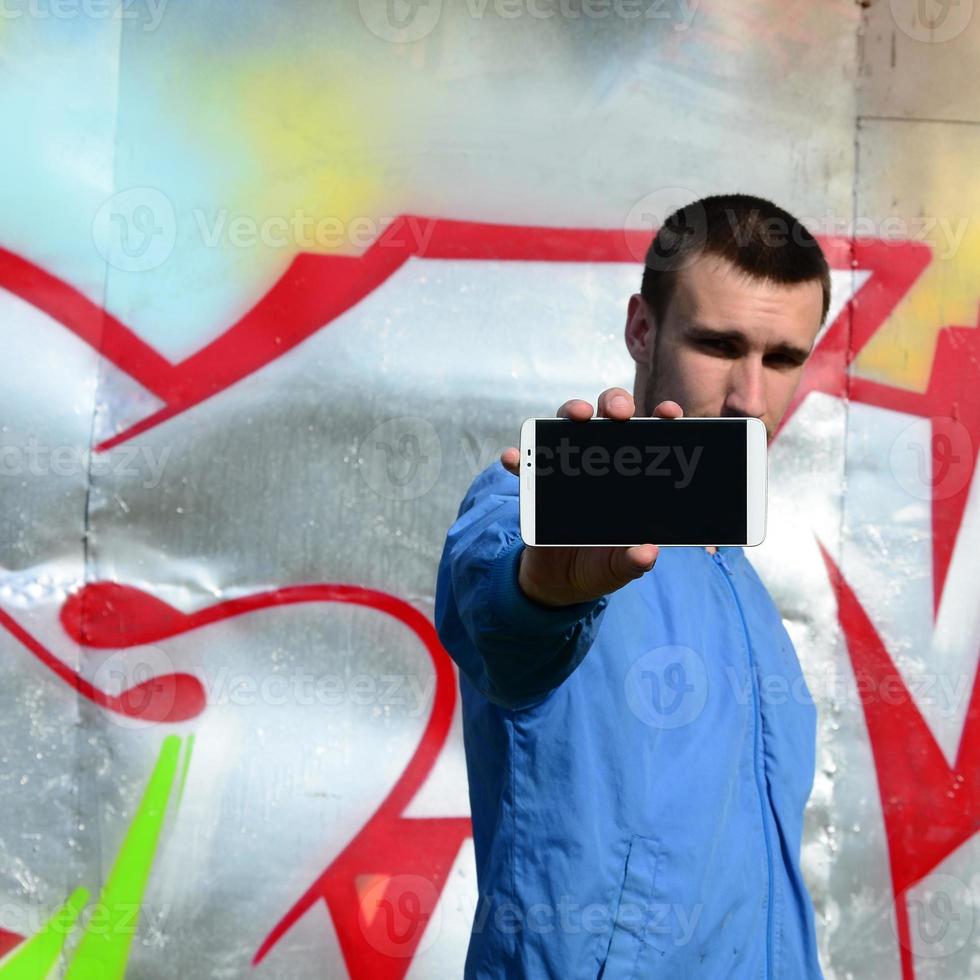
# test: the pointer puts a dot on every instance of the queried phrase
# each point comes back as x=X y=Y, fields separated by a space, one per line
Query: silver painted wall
x=164 y=166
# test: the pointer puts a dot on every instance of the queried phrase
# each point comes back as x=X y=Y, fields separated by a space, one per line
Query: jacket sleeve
x=512 y=649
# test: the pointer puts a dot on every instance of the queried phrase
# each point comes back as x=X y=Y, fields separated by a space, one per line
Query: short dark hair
x=758 y=237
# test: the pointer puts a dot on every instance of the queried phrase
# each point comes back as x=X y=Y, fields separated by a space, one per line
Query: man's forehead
x=716 y=273
x=711 y=290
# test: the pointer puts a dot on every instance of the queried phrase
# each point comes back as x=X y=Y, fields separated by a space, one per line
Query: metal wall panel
x=276 y=282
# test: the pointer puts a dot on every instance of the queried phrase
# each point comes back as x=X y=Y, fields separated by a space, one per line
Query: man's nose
x=747 y=388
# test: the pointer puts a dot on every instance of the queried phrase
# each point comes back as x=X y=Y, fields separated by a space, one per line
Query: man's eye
x=784 y=360
x=726 y=349
x=720 y=345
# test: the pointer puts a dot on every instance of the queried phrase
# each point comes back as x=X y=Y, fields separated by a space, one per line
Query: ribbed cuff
x=512 y=610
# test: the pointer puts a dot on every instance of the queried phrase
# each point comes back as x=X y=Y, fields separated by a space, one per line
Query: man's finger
x=634 y=561
x=576 y=408
x=668 y=410
x=616 y=403
x=510 y=459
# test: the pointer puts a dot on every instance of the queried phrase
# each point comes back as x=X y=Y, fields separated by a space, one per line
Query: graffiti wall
x=277 y=281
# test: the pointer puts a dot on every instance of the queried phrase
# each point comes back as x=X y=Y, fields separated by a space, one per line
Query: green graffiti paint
x=34 y=958
x=104 y=949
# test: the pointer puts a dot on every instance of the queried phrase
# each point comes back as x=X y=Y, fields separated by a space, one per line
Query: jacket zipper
x=720 y=562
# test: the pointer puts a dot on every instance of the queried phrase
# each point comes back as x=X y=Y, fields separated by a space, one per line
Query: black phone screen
x=661 y=481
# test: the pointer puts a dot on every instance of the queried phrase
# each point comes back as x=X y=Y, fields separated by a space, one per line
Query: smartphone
x=681 y=482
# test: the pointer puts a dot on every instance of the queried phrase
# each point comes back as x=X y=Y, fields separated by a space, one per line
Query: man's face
x=729 y=346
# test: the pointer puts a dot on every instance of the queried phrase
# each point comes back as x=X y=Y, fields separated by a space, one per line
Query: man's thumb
x=636 y=561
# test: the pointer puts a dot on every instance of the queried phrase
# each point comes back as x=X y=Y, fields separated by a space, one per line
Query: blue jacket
x=638 y=764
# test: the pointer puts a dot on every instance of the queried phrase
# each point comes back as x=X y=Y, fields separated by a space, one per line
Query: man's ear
x=641 y=329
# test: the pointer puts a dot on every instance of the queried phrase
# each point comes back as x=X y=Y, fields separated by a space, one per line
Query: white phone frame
x=756 y=490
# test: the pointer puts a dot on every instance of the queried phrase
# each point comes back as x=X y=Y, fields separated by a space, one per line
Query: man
x=639 y=738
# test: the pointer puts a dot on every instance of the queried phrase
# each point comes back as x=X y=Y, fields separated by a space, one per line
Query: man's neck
x=710 y=548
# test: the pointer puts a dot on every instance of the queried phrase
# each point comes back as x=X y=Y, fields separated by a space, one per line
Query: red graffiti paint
x=312 y=292
x=382 y=889
x=952 y=393
x=166 y=698
x=930 y=808
x=893 y=269
x=8 y=940
x=409 y=859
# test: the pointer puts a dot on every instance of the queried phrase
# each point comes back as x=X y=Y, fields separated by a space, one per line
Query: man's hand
x=563 y=576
